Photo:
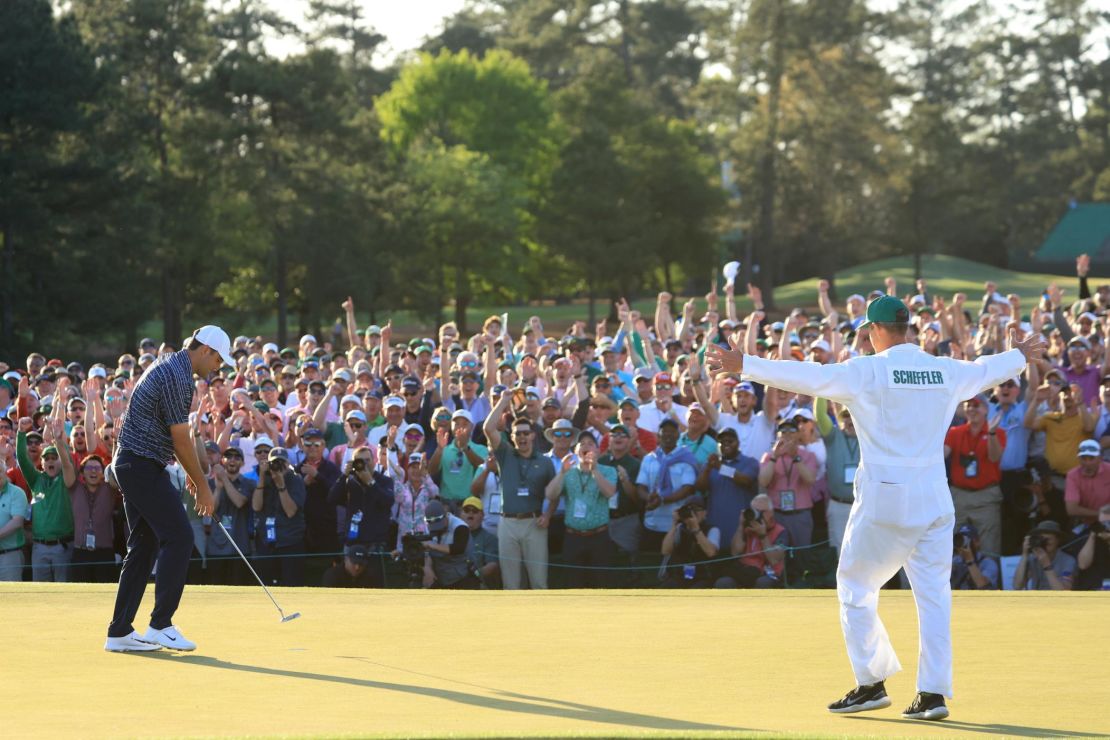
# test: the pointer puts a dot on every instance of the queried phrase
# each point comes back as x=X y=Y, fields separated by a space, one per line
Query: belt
x=528 y=515
x=587 y=532
x=841 y=500
x=10 y=549
x=55 y=542
x=976 y=490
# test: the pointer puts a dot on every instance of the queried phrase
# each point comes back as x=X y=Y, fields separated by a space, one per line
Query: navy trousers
x=159 y=531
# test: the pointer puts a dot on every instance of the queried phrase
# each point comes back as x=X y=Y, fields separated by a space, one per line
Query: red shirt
x=648 y=443
x=963 y=446
x=1090 y=493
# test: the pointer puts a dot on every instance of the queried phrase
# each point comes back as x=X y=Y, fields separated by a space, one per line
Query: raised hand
x=756 y=295
x=1082 y=265
x=443 y=437
x=1032 y=347
x=720 y=360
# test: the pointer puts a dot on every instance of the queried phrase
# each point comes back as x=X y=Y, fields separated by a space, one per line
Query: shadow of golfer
x=988 y=728
x=506 y=702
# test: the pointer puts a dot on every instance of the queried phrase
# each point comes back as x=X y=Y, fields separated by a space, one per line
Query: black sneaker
x=926 y=706
x=862 y=699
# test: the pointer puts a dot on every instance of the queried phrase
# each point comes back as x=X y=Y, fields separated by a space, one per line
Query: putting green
x=556 y=663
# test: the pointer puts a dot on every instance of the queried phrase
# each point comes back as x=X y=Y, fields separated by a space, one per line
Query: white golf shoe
x=170 y=638
x=129 y=644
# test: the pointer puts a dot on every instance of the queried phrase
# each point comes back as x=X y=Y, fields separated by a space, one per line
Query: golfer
x=902 y=401
x=155 y=429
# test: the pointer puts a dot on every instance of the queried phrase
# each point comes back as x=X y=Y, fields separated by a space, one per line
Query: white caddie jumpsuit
x=902 y=402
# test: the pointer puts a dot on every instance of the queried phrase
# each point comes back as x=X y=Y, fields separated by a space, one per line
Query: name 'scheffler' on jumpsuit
x=902 y=401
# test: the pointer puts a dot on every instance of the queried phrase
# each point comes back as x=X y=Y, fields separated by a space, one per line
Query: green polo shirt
x=702 y=449
x=13 y=503
x=587 y=508
x=52 y=515
x=456 y=471
x=523 y=480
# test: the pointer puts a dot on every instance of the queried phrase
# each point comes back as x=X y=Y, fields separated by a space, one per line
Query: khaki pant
x=522 y=546
x=983 y=508
x=11 y=566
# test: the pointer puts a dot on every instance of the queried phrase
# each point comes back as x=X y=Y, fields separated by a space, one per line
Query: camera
x=412 y=548
x=963 y=541
x=277 y=466
x=752 y=517
x=685 y=512
x=1037 y=540
x=358 y=465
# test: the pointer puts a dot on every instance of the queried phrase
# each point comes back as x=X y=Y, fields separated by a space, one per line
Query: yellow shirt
x=1062 y=435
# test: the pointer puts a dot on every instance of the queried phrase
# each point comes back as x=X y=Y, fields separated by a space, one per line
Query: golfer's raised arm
x=838 y=382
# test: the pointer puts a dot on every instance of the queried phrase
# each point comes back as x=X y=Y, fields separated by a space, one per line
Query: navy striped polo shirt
x=162 y=397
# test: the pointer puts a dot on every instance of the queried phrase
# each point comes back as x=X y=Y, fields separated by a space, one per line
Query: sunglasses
x=663 y=387
x=355 y=424
x=431 y=519
x=525 y=432
x=233 y=456
x=313 y=444
x=560 y=433
x=48 y=458
x=412 y=393
x=316 y=391
x=261 y=453
x=469 y=363
x=413 y=435
x=391 y=378
x=1008 y=384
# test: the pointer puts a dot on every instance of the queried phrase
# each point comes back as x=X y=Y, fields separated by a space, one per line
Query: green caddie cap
x=886 y=310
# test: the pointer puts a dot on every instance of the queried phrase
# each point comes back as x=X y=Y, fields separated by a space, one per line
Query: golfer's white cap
x=217 y=339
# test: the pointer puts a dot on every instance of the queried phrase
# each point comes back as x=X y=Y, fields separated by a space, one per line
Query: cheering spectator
x=522 y=531
x=367 y=497
x=588 y=487
x=278 y=502
x=974 y=450
x=788 y=473
x=456 y=461
x=662 y=407
x=760 y=543
x=1094 y=556
x=14 y=510
x=624 y=506
x=51 y=509
x=842 y=445
x=231 y=493
x=412 y=494
x=1009 y=408
x=689 y=546
x=1087 y=487
x=1063 y=429
x=754 y=429
x=971 y=569
x=94 y=555
x=667 y=477
x=483 y=544
x=729 y=479
x=319 y=474
x=1044 y=566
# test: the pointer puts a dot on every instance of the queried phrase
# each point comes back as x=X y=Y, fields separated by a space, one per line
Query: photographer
x=355 y=571
x=1044 y=566
x=972 y=569
x=687 y=546
x=1094 y=557
x=278 y=502
x=367 y=496
x=761 y=542
x=447 y=561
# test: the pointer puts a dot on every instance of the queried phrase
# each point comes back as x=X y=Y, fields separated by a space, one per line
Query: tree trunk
x=768 y=162
x=592 y=318
x=668 y=283
x=171 y=309
x=282 y=296
x=7 y=319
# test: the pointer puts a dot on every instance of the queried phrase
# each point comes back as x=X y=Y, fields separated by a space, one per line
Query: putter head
x=291 y=617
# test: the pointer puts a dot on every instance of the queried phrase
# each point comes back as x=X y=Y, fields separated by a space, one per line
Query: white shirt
x=681 y=474
x=650 y=416
x=902 y=402
x=756 y=435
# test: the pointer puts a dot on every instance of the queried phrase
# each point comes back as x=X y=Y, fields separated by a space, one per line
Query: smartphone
x=520 y=398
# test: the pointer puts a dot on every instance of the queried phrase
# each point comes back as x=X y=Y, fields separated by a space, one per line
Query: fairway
x=557 y=663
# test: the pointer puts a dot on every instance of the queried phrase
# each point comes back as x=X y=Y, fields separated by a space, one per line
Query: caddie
x=902 y=400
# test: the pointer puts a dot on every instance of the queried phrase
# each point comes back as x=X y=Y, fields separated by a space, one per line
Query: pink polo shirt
x=788 y=478
x=1090 y=493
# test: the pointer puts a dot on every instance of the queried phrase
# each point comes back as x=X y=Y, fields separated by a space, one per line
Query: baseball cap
x=551 y=403
x=462 y=414
x=350 y=398
x=355 y=414
x=820 y=344
x=278 y=453
x=968 y=529
x=668 y=420
x=787 y=426
x=98 y=372
x=358 y=554
x=263 y=441
x=804 y=413
x=435 y=516
x=629 y=401
x=1079 y=342
x=267 y=381
x=393 y=401
x=343 y=374
x=211 y=446
x=312 y=433
x=217 y=339
x=411 y=383
x=269 y=347
x=663 y=379
x=642 y=373
x=473 y=501
x=307 y=338
x=696 y=406
x=745 y=387
x=886 y=309
x=1089 y=448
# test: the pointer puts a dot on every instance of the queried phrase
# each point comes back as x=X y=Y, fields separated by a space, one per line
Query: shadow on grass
x=988 y=728
x=506 y=702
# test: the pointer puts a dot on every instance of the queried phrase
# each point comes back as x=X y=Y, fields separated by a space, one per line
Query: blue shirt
x=162 y=398
x=961 y=578
x=727 y=499
x=682 y=474
x=1017 y=436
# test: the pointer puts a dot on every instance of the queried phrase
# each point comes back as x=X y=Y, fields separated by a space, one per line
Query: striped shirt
x=162 y=397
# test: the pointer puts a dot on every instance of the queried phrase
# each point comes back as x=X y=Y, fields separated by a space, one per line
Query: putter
x=230 y=539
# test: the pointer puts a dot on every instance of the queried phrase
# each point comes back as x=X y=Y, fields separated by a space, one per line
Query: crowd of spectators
x=497 y=460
